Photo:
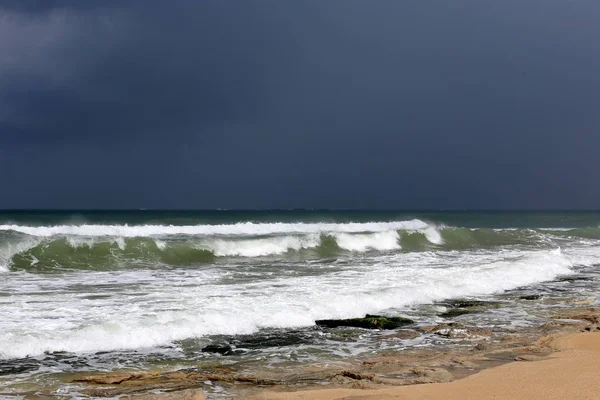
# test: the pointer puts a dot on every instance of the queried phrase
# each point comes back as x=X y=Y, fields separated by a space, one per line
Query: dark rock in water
x=457 y=331
x=574 y=278
x=531 y=297
x=461 y=306
x=368 y=322
x=275 y=339
x=461 y=303
x=220 y=348
x=10 y=369
x=455 y=313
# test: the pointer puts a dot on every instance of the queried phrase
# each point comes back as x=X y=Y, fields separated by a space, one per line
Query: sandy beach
x=571 y=372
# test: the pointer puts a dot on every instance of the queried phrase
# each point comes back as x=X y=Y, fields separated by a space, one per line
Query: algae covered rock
x=458 y=307
x=368 y=322
x=455 y=312
x=219 y=348
x=531 y=297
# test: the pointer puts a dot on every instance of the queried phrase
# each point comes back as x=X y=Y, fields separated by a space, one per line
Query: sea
x=107 y=290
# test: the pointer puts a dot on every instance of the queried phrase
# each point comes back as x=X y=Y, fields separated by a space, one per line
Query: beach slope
x=571 y=372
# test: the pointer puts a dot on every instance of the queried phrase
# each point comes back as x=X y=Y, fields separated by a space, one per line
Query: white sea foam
x=240 y=239
x=261 y=247
x=161 y=244
x=239 y=229
x=433 y=235
x=368 y=241
x=82 y=241
x=175 y=304
x=8 y=249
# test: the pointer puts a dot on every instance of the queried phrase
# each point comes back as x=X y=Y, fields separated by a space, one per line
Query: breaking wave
x=264 y=305
x=239 y=229
x=112 y=246
x=93 y=247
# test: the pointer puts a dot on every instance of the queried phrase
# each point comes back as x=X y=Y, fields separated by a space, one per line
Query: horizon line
x=422 y=210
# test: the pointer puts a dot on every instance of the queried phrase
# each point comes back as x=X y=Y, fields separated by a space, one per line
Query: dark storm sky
x=280 y=104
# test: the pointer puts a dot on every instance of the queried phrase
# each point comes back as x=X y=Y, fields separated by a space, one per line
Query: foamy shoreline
x=561 y=365
x=558 y=360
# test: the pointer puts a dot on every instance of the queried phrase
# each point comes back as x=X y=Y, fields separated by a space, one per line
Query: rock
x=394 y=381
x=591 y=329
x=582 y=302
x=553 y=326
x=368 y=322
x=590 y=315
x=457 y=331
x=381 y=360
x=456 y=312
x=345 y=335
x=126 y=392
x=453 y=333
x=116 y=379
x=461 y=303
x=8 y=368
x=220 y=348
x=461 y=306
x=404 y=334
x=419 y=375
x=167 y=379
x=264 y=340
x=188 y=394
x=433 y=328
x=481 y=347
x=363 y=385
x=573 y=278
x=356 y=375
x=528 y=357
x=433 y=374
x=531 y=297
x=464 y=363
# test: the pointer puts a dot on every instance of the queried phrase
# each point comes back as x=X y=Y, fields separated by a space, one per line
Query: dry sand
x=571 y=372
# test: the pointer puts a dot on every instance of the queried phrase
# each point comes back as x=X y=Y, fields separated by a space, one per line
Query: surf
x=106 y=247
x=168 y=312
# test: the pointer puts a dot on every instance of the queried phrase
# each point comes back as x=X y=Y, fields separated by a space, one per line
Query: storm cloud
x=268 y=104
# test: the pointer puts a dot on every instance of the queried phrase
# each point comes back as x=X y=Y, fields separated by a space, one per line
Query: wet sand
x=571 y=372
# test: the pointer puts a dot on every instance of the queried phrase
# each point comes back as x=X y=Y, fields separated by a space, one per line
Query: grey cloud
x=317 y=104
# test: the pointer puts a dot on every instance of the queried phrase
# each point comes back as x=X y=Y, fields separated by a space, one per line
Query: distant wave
x=239 y=229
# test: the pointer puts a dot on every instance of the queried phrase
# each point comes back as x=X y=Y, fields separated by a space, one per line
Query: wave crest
x=117 y=246
x=239 y=229
x=299 y=305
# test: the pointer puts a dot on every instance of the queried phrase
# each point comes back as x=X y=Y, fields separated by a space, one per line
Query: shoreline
x=565 y=349
x=571 y=371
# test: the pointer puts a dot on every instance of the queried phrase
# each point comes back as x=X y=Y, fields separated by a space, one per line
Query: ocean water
x=101 y=290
